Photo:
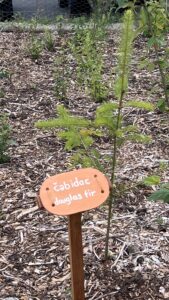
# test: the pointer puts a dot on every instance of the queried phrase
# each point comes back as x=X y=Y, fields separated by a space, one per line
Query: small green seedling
x=61 y=75
x=2 y=93
x=154 y=21
x=87 y=48
x=34 y=48
x=49 y=41
x=4 y=74
x=162 y=192
x=4 y=138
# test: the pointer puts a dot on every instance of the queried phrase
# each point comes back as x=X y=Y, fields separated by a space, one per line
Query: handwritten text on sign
x=74 y=192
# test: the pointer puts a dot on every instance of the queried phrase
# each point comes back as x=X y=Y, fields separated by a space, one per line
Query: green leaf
x=162 y=194
x=96 y=153
x=65 y=120
x=122 y=3
x=80 y=158
x=130 y=128
x=75 y=139
x=72 y=139
x=4 y=138
x=124 y=55
x=62 y=111
x=152 y=180
x=91 y=132
x=106 y=121
x=63 y=123
x=151 y=67
x=161 y=105
x=151 y=42
x=165 y=185
x=106 y=115
x=107 y=107
x=87 y=141
x=139 y=138
x=4 y=74
x=140 y=104
x=51 y=123
x=144 y=63
x=119 y=133
x=86 y=161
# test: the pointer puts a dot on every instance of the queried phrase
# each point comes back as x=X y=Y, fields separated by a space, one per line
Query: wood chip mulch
x=34 y=249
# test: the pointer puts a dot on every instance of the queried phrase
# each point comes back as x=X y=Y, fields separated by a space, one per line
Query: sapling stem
x=121 y=86
x=111 y=197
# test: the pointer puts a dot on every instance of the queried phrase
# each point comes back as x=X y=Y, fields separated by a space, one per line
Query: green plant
x=34 y=87
x=154 y=22
x=2 y=93
x=102 y=11
x=81 y=134
x=163 y=165
x=34 y=46
x=4 y=74
x=151 y=180
x=4 y=138
x=87 y=46
x=48 y=40
x=60 y=25
x=162 y=188
x=61 y=75
x=161 y=194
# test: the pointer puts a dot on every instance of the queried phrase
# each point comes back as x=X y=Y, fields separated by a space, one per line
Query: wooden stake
x=76 y=257
x=93 y=188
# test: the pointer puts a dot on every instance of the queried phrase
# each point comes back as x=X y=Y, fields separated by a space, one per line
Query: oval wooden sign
x=75 y=191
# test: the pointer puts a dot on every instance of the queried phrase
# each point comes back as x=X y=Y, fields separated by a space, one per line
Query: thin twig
x=103 y=296
x=120 y=254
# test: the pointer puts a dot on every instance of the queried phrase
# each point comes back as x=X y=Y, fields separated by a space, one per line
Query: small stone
x=31 y=195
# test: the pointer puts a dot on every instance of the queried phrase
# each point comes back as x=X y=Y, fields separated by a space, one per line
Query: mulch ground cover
x=34 y=248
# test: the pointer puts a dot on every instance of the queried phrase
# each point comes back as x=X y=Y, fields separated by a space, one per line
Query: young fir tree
x=154 y=22
x=87 y=46
x=80 y=133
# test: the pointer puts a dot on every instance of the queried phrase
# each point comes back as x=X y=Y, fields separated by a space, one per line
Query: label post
x=70 y=194
x=76 y=257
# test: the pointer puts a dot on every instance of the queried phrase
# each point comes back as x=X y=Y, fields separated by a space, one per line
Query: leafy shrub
x=154 y=22
x=49 y=41
x=34 y=48
x=162 y=193
x=87 y=48
x=61 y=75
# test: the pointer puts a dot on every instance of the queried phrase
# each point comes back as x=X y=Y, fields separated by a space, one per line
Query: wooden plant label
x=70 y=194
x=74 y=192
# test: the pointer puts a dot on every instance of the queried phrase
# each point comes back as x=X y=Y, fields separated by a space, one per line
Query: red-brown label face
x=73 y=192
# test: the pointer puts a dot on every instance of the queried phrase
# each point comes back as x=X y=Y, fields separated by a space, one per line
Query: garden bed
x=34 y=260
